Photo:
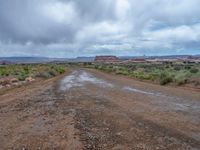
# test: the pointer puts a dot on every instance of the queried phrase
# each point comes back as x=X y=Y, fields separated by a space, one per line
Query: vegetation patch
x=19 y=73
x=177 y=73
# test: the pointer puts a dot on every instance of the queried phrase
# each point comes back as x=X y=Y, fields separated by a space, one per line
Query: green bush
x=45 y=75
x=22 y=77
x=61 y=70
x=165 y=78
x=154 y=75
x=51 y=73
x=187 y=67
x=26 y=70
x=3 y=72
x=194 y=70
x=122 y=72
x=180 y=79
x=96 y=67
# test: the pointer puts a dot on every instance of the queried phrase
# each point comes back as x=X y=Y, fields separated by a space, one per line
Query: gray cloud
x=67 y=28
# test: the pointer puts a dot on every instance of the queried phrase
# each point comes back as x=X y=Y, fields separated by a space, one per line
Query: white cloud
x=60 y=12
x=122 y=9
x=171 y=38
x=74 y=27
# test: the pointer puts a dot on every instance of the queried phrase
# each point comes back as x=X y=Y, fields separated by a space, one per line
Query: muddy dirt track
x=87 y=109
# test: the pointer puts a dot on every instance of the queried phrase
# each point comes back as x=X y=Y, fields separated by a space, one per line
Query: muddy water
x=82 y=78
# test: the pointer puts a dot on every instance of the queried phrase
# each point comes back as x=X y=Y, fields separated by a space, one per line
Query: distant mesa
x=106 y=59
x=4 y=62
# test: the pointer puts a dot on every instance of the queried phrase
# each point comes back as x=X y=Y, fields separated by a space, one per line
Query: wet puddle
x=82 y=78
x=174 y=103
x=141 y=91
x=79 y=79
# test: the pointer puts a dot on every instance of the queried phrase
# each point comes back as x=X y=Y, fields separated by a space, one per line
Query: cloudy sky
x=70 y=28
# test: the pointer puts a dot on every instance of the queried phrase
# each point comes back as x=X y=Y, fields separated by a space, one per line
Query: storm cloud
x=70 y=28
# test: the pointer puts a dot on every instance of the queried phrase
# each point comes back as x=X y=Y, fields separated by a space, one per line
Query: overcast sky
x=70 y=28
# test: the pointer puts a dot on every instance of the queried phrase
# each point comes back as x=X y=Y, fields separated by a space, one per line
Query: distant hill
x=9 y=60
x=20 y=60
x=82 y=59
x=25 y=59
x=158 y=57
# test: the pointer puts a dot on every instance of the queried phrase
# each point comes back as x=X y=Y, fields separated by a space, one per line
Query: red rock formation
x=106 y=59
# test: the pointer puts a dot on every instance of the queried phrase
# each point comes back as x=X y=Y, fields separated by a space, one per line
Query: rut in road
x=92 y=110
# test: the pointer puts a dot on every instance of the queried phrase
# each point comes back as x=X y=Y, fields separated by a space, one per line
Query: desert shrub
x=96 y=67
x=194 y=70
x=26 y=70
x=87 y=64
x=155 y=74
x=4 y=72
x=105 y=68
x=138 y=74
x=180 y=79
x=152 y=76
x=22 y=77
x=51 y=73
x=122 y=72
x=45 y=75
x=177 y=68
x=165 y=78
x=60 y=70
x=187 y=67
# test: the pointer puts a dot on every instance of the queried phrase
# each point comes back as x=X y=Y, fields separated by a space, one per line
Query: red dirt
x=93 y=110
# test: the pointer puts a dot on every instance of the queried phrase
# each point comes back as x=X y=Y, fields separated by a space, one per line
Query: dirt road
x=87 y=109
